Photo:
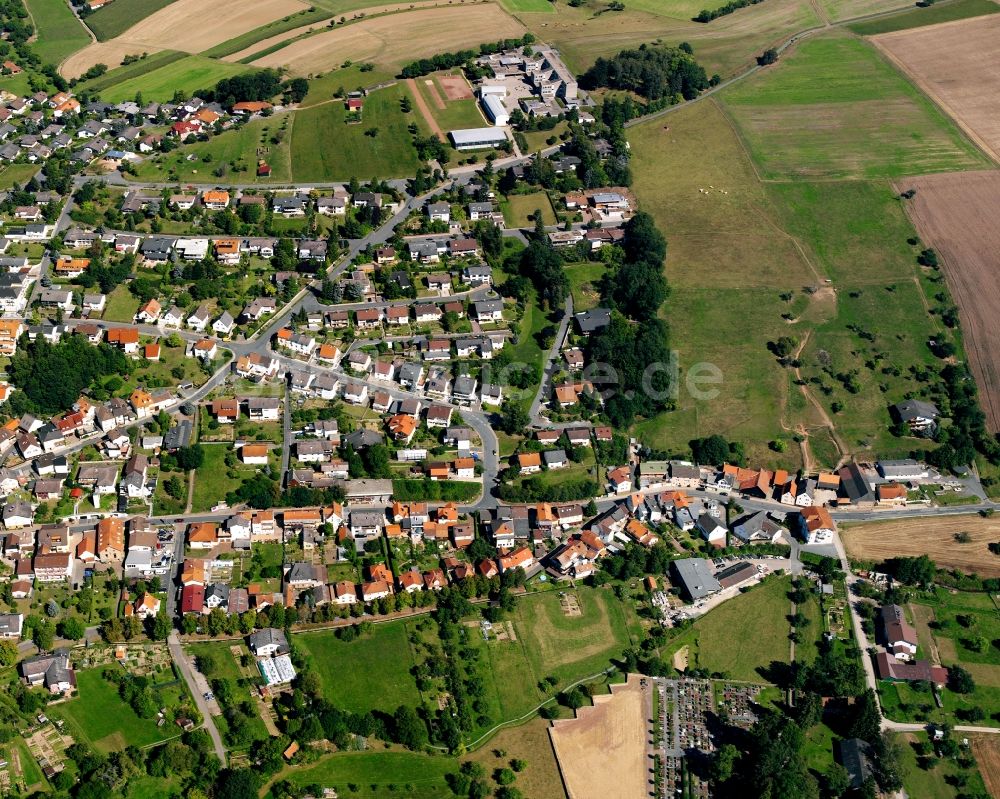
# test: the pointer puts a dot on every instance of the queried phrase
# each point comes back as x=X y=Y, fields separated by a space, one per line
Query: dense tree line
x=638 y=288
x=706 y=15
x=532 y=489
x=967 y=432
x=640 y=356
x=50 y=377
x=455 y=59
x=651 y=72
x=251 y=86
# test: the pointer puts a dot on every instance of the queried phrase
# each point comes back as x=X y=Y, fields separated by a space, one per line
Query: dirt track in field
x=425 y=112
x=186 y=25
x=602 y=752
x=958 y=65
x=396 y=38
x=931 y=536
x=957 y=214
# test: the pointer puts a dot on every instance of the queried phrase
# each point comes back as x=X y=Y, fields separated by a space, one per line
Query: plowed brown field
x=933 y=536
x=958 y=65
x=956 y=214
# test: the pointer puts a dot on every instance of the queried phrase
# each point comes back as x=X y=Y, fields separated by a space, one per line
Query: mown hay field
x=396 y=38
x=934 y=537
x=834 y=108
x=186 y=25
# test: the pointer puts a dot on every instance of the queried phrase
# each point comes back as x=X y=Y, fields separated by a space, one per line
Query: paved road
x=180 y=657
x=549 y=367
x=286 y=438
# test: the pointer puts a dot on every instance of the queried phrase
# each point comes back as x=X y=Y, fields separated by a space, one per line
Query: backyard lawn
x=377 y=775
x=99 y=718
x=370 y=672
x=122 y=305
x=712 y=645
x=519 y=209
x=212 y=481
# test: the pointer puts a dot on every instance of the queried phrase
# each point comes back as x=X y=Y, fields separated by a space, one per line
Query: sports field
x=187 y=74
x=449 y=114
x=371 y=672
x=116 y=18
x=932 y=15
x=58 y=31
x=835 y=108
x=570 y=647
x=424 y=31
x=389 y=153
x=183 y=25
x=99 y=718
x=712 y=645
x=934 y=537
x=956 y=64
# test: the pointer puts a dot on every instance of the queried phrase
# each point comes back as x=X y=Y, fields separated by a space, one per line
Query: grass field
x=59 y=32
x=18 y=174
x=99 y=718
x=369 y=673
x=212 y=482
x=712 y=645
x=583 y=280
x=293 y=21
x=116 y=18
x=409 y=774
x=388 y=154
x=528 y=742
x=837 y=250
x=117 y=75
x=571 y=647
x=122 y=305
x=934 y=782
x=918 y=17
x=159 y=83
x=530 y=6
x=835 y=108
x=519 y=209
x=235 y=152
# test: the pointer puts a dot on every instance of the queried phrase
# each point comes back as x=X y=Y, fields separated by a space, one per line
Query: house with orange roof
x=640 y=533
x=328 y=353
x=207 y=116
x=69 y=267
x=402 y=427
x=226 y=410
x=146 y=606
x=447 y=513
x=529 y=462
x=141 y=401
x=206 y=349
x=254 y=454
x=376 y=589
x=193 y=572
x=203 y=535
x=620 y=479
x=465 y=468
x=520 y=558
x=379 y=571
x=215 y=199
x=111 y=539
x=227 y=251
x=435 y=579
x=248 y=107
x=151 y=352
x=891 y=494
x=488 y=569
x=149 y=313
x=816 y=525
x=125 y=338
x=10 y=332
x=86 y=550
x=438 y=471
x=410 y=582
